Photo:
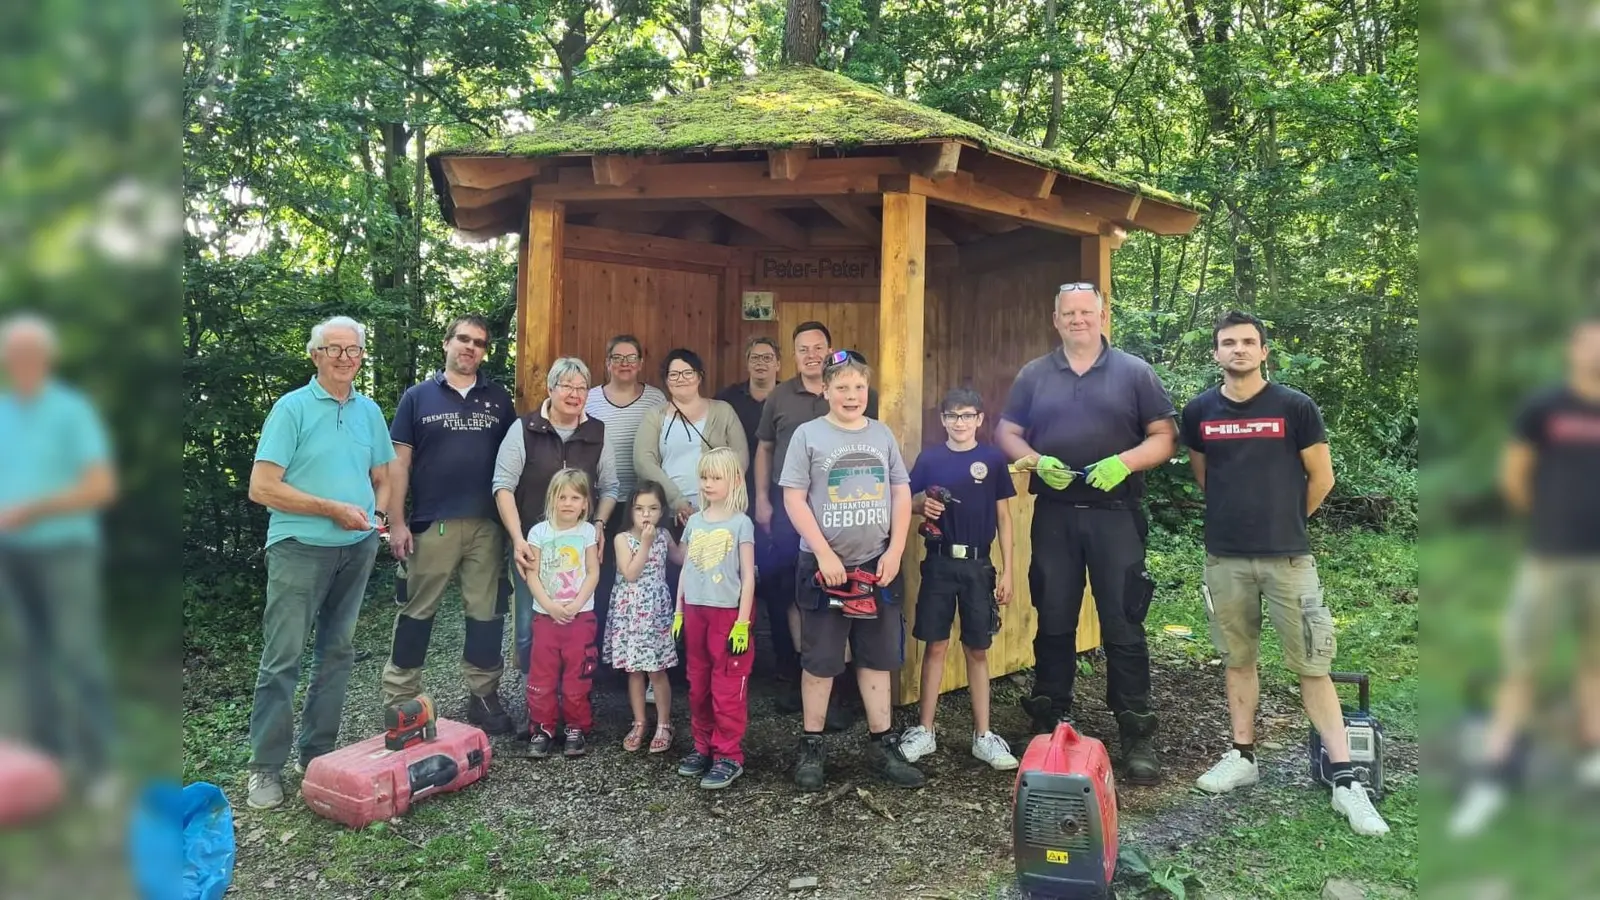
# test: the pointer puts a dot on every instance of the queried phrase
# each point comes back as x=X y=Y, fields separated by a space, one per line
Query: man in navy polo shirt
x=446 y=433
x=1088 y=407
x=322 y=468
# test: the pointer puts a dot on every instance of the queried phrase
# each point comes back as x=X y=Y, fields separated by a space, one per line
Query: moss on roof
x=782 y=108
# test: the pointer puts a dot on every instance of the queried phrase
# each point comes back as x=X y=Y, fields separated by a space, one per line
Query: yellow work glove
x=677 y=625
x=739 y=638
x=1054 y=472
x=1108 y=473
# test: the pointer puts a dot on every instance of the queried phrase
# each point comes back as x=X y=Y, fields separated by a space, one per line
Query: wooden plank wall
x=979 y=330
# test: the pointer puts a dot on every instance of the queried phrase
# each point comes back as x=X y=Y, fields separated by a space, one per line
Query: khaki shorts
x=1234 y=588
x=1552 y=595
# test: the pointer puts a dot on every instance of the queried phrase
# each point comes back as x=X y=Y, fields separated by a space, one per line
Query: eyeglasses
x=344 y=352
x=763 y=357
x=961 y=418
x=476 y=342
x=683 y=375
x=1079 y=286
x=631 y=359
x=840 y=357
x=572 y=389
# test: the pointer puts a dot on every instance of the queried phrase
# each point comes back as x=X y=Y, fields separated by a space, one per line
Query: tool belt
x=959 y=551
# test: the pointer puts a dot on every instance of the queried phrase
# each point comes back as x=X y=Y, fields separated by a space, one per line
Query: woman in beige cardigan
x=671 y=437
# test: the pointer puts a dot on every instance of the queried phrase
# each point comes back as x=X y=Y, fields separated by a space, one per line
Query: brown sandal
x=635 y=738
x=662 y=742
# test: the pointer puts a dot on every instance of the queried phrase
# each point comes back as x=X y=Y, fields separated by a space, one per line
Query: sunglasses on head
x=840 y=357
x=1079 y=286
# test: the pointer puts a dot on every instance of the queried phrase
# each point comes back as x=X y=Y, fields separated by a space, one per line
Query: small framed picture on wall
x=759 y=306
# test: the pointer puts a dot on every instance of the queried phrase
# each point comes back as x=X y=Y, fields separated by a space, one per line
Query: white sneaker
x=1354 y=804
x=1234 y=771
x=993 y=749
x=917 y=742
x=1478 y=808
x=266 y=790
x=1589 y=771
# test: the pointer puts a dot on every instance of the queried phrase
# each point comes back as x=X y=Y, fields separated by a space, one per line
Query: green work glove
x=739 y=638
x=677 y=626
x=1053 y=472
x=1108 y=473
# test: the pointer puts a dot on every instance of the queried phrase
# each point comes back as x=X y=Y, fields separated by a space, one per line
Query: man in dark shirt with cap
x=1088 y=419
x=446 y=433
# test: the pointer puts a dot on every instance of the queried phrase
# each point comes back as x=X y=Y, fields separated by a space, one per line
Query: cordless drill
x=930 y=528
x=409 y=722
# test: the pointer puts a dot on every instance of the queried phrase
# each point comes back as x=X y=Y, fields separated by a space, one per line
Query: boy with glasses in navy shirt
x=958 y=573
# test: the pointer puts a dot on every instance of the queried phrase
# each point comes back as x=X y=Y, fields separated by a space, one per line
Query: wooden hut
x=703 y=219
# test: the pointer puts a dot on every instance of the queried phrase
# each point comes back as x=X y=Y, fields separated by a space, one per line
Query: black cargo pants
x=1107 y=541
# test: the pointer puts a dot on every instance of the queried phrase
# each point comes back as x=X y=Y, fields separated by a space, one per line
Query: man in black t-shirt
x=1260 y=453
x=1551 y=473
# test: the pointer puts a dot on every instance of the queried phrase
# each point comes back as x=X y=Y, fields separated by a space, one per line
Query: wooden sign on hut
x=932 y=245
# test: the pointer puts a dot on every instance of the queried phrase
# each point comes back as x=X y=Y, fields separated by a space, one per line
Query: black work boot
x=1044 y=713
x=487 y=713
x=888 y=763
x=1138 y=750
x=809 y=772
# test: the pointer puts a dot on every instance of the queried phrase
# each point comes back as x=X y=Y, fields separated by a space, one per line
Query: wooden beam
x=539 y=308
x=822 y=177
x=855 y=217
x=937 y=161
x=898 y=367
x=624 y=243
x=1022 y=245
x=786 y=165
x=775 y=226
x=614 y=170
x=962 y=229
x=484 y=172
x=469 y=198
x=497 y=218
x=961 y=190
x=621 y=259
x=1129 y=209
x=1013 y=177
x=639 y=221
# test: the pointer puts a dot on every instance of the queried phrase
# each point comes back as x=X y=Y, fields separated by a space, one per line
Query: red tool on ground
x=857 y=597
x=1064 y=817
x=930 y=527
x=31 y=784
x=385 y=775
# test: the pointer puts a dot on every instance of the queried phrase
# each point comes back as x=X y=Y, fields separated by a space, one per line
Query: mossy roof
x=786 y=107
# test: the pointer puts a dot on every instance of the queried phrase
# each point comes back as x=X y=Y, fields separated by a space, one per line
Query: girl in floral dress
x=639 y=629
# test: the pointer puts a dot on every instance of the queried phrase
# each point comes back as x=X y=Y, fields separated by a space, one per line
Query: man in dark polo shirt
x=446 y=433
x=791 y=404
x=1088 y=418
x=1260 y=453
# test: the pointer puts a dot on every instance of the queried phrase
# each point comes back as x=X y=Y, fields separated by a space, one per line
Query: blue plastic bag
x=194 y=825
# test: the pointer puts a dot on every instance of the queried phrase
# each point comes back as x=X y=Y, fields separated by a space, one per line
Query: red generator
x=31 y=784
x=367 y=782
x=1064 y=817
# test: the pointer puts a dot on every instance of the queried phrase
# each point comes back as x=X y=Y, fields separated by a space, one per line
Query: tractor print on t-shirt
x=858 y=488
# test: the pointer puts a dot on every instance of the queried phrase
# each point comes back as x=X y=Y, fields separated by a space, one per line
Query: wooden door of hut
x=931 y=245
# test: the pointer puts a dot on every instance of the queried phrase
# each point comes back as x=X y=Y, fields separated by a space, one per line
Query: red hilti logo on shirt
x=1234 y=429
x=1574 y=428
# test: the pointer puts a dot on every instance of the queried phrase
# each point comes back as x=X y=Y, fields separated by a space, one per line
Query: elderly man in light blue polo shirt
x=322 y=468
x=55 y=477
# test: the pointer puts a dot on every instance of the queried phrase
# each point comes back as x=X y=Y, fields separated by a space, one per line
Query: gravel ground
x=657 y=833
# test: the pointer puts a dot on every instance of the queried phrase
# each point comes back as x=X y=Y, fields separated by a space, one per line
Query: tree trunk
x=1052 y=127
x=802 y=33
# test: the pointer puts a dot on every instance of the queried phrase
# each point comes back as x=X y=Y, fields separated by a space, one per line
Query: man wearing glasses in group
x=322 y=468
x=447 y=431
x=1087 y=419
x=791 y=404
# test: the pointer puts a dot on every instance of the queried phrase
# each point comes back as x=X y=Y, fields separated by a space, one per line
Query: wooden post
x=1094 y=266
x=539 y=305
x=898 y=368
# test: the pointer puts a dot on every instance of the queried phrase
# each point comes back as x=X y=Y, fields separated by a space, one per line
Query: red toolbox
x=366 y=782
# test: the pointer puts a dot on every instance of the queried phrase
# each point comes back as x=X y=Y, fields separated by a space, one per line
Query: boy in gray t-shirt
x=846 y=489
